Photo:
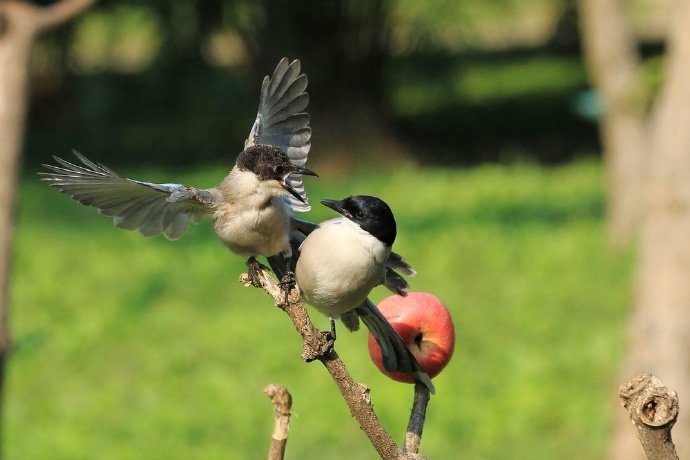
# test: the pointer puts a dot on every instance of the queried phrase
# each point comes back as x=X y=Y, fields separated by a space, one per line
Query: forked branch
x=317 y=345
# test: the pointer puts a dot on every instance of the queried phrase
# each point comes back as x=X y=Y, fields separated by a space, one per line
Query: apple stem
x=413 y=437
x=653 y=409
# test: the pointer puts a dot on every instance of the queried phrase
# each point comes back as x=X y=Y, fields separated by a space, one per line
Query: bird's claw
x=330 y=338
x=287 y=282
x=254 y=269
x=331 y=333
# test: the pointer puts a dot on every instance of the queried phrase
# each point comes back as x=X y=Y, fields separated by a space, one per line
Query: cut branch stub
x=654 y=404
x=653 y=409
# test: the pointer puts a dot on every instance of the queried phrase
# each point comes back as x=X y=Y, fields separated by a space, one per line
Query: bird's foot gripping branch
x=318 y=345
x=254 y=270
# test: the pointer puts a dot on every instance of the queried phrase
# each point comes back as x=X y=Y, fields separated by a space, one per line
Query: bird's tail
x=396 y=356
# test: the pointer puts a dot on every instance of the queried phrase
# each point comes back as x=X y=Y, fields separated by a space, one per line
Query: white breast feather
x=339 y=265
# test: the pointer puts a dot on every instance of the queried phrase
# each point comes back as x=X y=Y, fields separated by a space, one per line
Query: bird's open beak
x=304 y=171
x=337 y=206
x=297 y=170
x=291 y=190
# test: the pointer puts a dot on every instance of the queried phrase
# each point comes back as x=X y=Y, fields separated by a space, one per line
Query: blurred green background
x=473 y=120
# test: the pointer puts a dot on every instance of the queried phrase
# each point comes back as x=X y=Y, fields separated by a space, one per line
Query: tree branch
x=653 y=410
x=282 y=403
x=49 y=17
x=413 y=437
x=33 y=20
x=318 y=346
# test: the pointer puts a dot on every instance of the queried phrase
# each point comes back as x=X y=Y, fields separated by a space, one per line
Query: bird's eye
x=279 y=170
x=359 y=215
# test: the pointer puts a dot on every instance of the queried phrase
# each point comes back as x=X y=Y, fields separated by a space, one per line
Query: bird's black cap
x=269 y=162
x=370 y=213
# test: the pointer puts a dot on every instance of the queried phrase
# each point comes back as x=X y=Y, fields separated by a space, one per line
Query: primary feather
x=134 y=205
x=281 y=121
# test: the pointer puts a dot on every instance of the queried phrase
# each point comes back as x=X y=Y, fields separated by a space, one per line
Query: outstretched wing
x=282 y=122
x=147 y=207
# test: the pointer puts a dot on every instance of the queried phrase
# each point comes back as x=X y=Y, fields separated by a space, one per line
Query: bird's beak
x=297 y=170
x=304 y=171
x=291 y=190
x=337 y=206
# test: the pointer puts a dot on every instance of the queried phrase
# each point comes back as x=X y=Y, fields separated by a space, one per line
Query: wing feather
x=282 y=122
x=134 y=205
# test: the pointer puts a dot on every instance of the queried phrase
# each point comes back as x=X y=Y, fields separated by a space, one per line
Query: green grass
x=128 y=347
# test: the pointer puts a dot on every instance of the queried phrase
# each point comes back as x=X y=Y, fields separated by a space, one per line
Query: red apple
x=425 y=326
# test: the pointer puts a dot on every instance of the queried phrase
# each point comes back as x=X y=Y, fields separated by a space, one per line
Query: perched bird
x=343 y=259
x=250 y=208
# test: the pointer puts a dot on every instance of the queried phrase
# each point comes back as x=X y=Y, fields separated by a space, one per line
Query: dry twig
x=282 y=403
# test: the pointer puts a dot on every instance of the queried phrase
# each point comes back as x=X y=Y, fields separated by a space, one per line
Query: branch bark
x=282 y=404
x=318 y=346
x=49 y=17
x=653 y=409
x=413 y=437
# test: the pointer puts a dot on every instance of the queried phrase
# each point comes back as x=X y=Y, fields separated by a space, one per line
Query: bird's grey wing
x=302 y=226
x=394 y=281
x=396 y=356
x=282 y=122
x=397 y=263
x=351 y=320
x=147 y=207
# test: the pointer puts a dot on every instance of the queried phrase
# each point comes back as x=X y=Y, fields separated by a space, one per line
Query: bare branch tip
x=280 y=397
x=245 y=279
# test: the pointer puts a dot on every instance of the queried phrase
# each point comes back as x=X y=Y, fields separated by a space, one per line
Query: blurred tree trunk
x=614 y=67
x=20 y=23
x=649 y=193
x=659 y=329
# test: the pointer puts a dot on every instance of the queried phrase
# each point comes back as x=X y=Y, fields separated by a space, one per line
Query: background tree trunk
x=20 y=22
x=659 y=331
x=15 y=50
x=614 y=67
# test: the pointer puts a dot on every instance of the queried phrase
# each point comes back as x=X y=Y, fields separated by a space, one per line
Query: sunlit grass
x=128 y=347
